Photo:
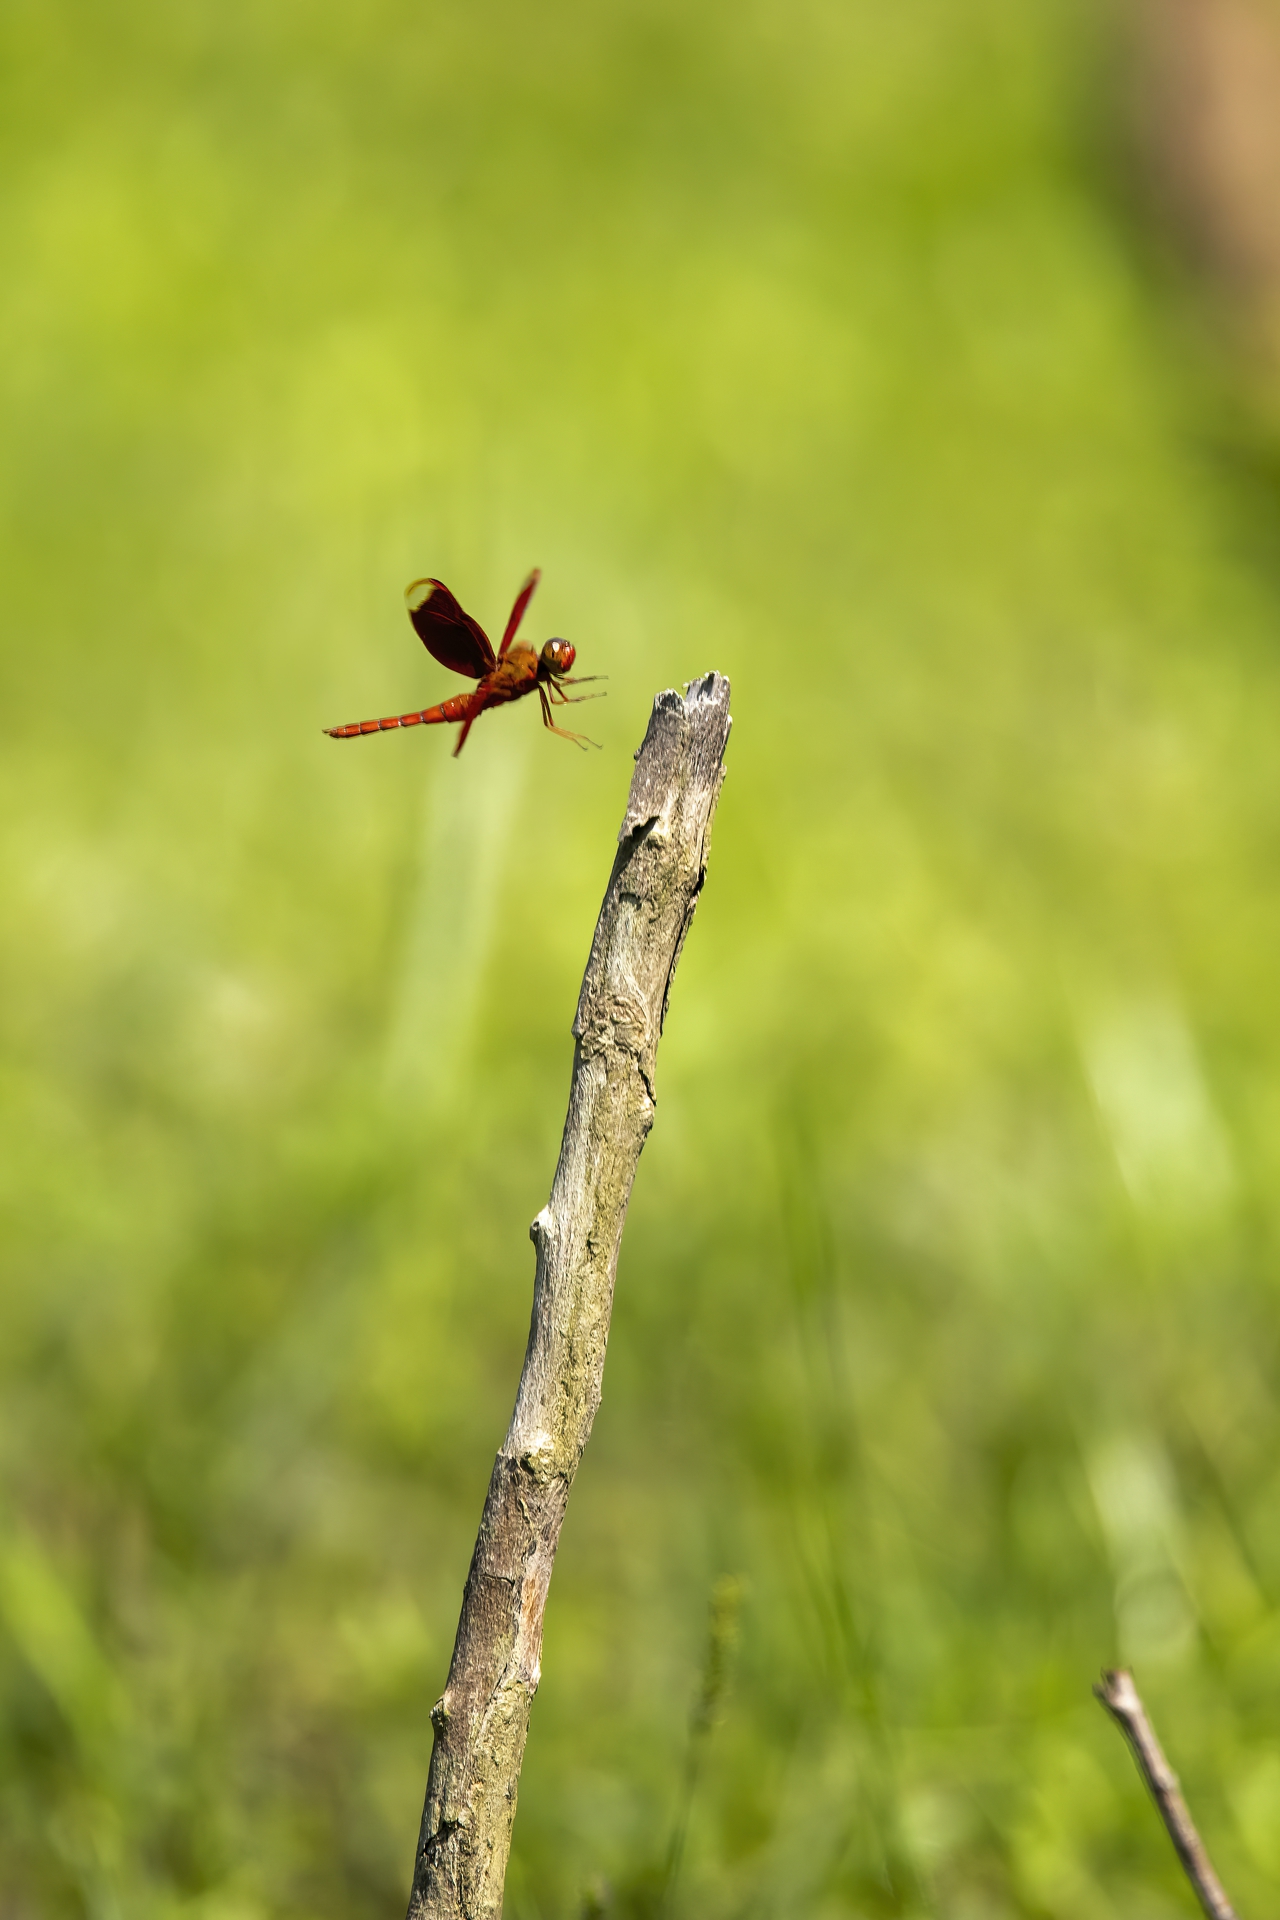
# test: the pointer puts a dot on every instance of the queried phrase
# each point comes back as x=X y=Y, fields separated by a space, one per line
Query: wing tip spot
x=418 y=592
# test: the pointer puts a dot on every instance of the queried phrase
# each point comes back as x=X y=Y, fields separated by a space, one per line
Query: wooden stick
x=482 y=1717
x=1120 y=1698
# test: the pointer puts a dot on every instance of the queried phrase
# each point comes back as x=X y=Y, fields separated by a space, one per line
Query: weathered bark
x=483 y=1715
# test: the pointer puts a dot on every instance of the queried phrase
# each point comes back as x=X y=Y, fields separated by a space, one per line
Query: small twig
x=1120 y=1698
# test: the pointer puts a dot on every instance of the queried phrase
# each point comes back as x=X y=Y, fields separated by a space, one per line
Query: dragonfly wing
x=451 y=636
x=523 y=598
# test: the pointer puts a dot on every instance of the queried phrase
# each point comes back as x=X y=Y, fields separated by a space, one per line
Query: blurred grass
x=816 y=344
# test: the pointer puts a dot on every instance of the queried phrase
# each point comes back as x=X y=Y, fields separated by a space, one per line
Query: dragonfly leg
x=556 y=689
x=579 y=739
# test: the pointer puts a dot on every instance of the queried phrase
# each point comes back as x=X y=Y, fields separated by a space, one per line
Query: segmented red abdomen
x=457 y=708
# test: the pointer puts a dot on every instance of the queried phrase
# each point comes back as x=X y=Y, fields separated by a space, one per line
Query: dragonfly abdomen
x=458 y=708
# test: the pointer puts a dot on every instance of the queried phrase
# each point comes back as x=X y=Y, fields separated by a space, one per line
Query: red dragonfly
x=461 y=644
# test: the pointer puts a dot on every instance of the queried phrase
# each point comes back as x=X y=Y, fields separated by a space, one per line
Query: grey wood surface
x=482 y=1717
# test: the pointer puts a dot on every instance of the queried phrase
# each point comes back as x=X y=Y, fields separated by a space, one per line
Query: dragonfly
x=460 y=643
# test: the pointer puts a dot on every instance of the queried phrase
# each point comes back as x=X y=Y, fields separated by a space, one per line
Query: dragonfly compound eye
x=559 y=655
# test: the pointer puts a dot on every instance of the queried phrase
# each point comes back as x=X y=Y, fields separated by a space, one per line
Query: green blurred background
x=832 y=345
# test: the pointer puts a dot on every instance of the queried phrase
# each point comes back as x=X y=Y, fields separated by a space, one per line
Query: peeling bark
x=482 y=1717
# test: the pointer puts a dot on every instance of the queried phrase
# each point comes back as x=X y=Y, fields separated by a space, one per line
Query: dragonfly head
x=558 y=657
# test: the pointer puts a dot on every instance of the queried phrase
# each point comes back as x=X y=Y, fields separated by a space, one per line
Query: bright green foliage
x=812 y=342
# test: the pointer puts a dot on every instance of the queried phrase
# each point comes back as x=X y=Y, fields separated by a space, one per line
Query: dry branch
x=1120 y=1698
x=482 y=1717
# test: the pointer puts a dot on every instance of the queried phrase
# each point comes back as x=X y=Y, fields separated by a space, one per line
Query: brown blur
x=1208 y=111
